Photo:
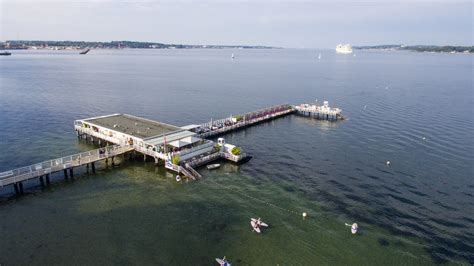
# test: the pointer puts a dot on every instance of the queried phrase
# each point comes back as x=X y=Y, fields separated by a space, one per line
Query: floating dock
x=323 y=112
x=180 y=149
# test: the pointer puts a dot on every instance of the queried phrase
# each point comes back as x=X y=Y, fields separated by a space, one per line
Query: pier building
x=180 y=149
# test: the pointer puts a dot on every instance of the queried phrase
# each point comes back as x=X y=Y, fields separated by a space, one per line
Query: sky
x=296 y=24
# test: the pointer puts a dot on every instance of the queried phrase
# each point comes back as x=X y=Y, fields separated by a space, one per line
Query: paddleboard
x=261 y=223
x=256 y=229
x=222 y=262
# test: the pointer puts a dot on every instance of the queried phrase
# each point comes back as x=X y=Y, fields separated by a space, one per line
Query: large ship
x=344 y=48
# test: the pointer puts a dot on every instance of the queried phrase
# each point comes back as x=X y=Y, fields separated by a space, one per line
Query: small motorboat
x=5 y=53
x=354 y=228
x=178 y=178
x=213 y=166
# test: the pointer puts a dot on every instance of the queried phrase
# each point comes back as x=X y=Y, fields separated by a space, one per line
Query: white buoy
x=388 y=162
x=424 y=138
x=304 y=215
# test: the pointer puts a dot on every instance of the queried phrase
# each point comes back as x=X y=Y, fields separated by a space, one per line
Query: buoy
x=304 y=215
x=388 y=162
x=424 y=138
x=178 y=178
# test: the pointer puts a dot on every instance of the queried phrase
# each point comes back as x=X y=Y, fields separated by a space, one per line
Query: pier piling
x=41 y=178
x=47 y=180
x=93 y=167
x=71 y=172
x=20 y=185
x=65 y=174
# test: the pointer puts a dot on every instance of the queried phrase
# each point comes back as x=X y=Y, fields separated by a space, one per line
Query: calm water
x=414 y=109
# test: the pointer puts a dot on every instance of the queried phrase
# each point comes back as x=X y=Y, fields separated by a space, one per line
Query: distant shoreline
x=80 y=45
x=419 y=48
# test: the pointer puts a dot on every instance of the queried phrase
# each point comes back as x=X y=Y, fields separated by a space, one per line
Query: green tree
x=175 y=160
x=235 y=151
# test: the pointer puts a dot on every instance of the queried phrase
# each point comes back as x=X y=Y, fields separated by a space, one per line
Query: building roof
x=132 y=125
x=169 y=137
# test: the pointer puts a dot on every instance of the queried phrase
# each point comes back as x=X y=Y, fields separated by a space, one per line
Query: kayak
x=222 y=262
x=254 y=226
x=261 y=223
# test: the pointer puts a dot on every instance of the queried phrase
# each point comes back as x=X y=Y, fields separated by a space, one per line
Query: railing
x=51 y=166
x=234 y=158
x=207 y=144
x=245 y=122
x=96 y=134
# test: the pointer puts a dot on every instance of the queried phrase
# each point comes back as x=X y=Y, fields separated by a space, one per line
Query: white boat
x=319 y=56
x=178 y=178
x=344 y=48
x=261 y=223
x=255 y=227
x=256 y=224
x=354 y=228
x=213 y=166
x=232 y=56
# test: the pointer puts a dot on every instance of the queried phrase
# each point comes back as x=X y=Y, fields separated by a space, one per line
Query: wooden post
x=41 y=178
x=87 y=167
x=112 y=160
x=20 y=184
x=71 y=172
x=17 y=191
x=47 y=179
x=93 y=167
x=65 y=173
x=144 y=157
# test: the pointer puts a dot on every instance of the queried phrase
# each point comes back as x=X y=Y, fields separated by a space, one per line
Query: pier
x=66 y=164
x=180 y=149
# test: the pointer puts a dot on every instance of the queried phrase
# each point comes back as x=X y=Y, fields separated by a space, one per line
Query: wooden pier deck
x=161 y=141
x=65 y=164
x=221 y=126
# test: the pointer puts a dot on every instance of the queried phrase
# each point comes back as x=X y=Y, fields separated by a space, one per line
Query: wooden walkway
x=66 y=163
x=222 y=126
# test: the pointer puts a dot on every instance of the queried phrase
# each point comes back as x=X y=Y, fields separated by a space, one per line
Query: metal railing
x=55 y=165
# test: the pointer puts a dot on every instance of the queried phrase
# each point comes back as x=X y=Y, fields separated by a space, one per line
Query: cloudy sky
x=309 y=24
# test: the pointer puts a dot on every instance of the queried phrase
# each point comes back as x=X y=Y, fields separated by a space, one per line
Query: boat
x=245 y=159
x=255 y=226
x=354 y=228
x=178 y=178
x=261 y=223
x=213 y=166
x=85 y=51
x=344 y=49
x=5 y=53
x=319 y=56
x=222 y=262
x=232 y=56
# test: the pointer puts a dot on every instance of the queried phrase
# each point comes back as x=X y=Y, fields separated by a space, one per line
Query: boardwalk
x=66 y=163
x=161 y=141
x=217 y=127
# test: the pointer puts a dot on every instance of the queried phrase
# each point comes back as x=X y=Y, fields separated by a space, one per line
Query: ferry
x=344 y=48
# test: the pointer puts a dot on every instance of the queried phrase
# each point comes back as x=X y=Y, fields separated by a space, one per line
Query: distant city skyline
x=307 y=24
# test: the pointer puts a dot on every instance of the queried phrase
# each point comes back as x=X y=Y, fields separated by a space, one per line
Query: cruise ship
x=344 y=49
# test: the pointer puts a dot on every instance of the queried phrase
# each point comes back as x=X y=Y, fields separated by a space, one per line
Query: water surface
x=413 y=109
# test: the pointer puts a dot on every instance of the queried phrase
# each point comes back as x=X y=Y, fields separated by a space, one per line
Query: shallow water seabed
x=154 y=220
